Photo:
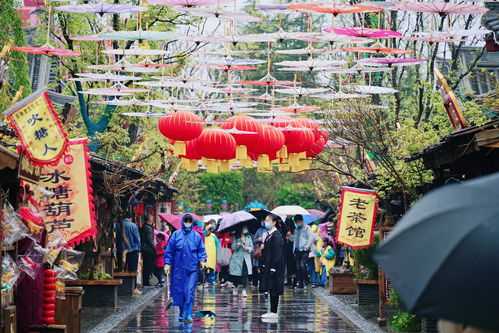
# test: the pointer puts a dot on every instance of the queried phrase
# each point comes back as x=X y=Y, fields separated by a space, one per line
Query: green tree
x=223 y=186
x=301 y=194
x=17 y=74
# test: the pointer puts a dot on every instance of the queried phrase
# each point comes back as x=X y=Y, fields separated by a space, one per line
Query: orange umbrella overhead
x=377 y=48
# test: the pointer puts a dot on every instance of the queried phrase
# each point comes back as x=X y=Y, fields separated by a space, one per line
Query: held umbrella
x=315 y=215
x=290 y=210
x=237 y=220
x=172 y=219
x=260 y=214
x=440 y=246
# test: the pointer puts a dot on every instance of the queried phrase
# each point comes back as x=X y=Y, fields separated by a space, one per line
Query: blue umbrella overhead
x=234 y=221
x=443 y=255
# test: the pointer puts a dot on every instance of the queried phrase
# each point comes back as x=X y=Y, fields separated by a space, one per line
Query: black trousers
x=301 y=266
x=243 y=279
x=132 y=261
x=148 y=259
x=274 y=303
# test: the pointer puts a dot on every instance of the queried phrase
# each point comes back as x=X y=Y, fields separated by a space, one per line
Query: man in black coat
x=273 y=264
x=148 y=249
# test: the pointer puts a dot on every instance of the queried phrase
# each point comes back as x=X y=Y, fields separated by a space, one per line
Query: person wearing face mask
x=303 y=239
x=211 y=244
x=240 y=262
x=185 y=254
x=273 y=263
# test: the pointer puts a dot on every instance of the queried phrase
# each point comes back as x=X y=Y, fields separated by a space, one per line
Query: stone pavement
x=300 y=311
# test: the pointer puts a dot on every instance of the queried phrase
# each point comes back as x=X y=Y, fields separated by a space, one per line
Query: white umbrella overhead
x=290 y=210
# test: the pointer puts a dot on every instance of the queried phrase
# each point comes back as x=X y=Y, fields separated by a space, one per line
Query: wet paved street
x=300 y=311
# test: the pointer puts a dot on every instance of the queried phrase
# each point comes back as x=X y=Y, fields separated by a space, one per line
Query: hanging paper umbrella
x=435 y=39
x=249 y=38
x=182 y=79
x=272 y=8
x=46 y=50
x=296 y=108
x=333 y=39
x=281 y=35
x=266 y=97
x=309 y=50
x=146 y=114
x=229 y=61
x=168 y=84
x=140 y=35
x=390 y=61
x=334 y=9
x=227 y=68
x=339 y=95
x=229 y=90
x=380 y=4
x=364 y=32
x=188 y=3
x=123 y=102
x=146 y=62
x=136 y=52
x=455 y=33
x=109 y=77
x=357 y=69
x=220 y=14
x=441 y=7
x=300 y=91
x=104 y=92
x=275 y=120
x=377 y=48
x=267 y=80
x=370 y=89
x=124 y=66
x=101 y=9
x=311 y=63
x=94 y=38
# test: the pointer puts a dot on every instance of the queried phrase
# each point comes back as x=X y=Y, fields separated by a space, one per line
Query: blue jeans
x=211 y=276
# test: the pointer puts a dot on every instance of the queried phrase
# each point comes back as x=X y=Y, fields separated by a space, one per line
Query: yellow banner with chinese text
x=38 y=128
x=71 y=210
x=358 y=209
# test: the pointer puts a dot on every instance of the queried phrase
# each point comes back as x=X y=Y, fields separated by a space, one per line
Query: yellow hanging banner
x=358 y=209
x=38 y=128
x=71 y=210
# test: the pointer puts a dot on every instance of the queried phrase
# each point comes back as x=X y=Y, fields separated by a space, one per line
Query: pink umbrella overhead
x=188 y=3
x=101 y=9
x=441 y=7
x=390 y=61
x=47 y=50
x=364 y=32
x=174 y=220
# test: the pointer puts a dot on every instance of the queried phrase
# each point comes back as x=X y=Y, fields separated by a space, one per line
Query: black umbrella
x=443 y=255
x=260 y=214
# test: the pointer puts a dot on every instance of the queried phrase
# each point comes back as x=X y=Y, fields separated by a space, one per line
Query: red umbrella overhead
x=47 y=50
x=377 y=48
x=227 y=68
x=172 y=219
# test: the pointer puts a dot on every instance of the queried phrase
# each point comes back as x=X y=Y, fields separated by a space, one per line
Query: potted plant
x=366 y=275
x=342 y=280
x=401 y=320
x=101 y=290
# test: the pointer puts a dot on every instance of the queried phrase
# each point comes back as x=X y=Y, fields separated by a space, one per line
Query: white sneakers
x=270 y=316
x=244 y=293
x=234 y=291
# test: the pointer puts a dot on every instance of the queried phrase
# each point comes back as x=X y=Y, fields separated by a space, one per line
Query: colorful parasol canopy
x=364 y=32
x=248 y=38
x=370 y=89
x=266 y=97
x=46 y=50
x=441 y=7
x=227 y=68
x=123 y=102
x=281 y=35
x=229 y=90
x=170 y=84
x=300 y=91
x=311 y=63
x=140 y=35
x=390 y=61
x=296 y=108
x=229 y=61
x=188 y=3
x=182 y=78
x=101 y=9
x=146 y=114
x=435 y=39
x=339 y=95
x=267 y=80
x=357 y=69
x=221 y=15
x=334 y=9
x=309 y=50
x=377 y=48
x=380 y=4
x=104 y=92
x=136 y=52
x=109 y=77
x=333 y=39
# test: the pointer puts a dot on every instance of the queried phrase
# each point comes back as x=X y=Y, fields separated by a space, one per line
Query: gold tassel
x=241 y=152
x=294 y=160
x=193 y=166
x=184 y=163
x=283 y=167
x=283 y=152
x=204 y=161
x=263 y=161
x=179 y=148
x=212 y=166
x=225 y=166
x=246 y=163
x=305 y=164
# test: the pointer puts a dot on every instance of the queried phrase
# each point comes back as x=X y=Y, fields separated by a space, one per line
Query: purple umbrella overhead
x=237 y=220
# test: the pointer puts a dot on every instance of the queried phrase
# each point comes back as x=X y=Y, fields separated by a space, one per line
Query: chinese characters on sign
x=38 y=128
x=70 y=210
x=358 y=210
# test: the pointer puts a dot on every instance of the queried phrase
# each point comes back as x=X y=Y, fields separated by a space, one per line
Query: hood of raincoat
x=184 y=227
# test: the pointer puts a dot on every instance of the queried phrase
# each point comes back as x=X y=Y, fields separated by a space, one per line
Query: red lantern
x=218 y=147
x=191 y=157
x=290 y=136
x=308 y=123
x=268 y=142
x=181 y=126
x=242 y=123
x=318 y=145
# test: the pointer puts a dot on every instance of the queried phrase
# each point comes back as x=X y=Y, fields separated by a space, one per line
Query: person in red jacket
x=160 y=263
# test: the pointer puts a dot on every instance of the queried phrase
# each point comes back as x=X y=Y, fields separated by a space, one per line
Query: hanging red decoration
x=268 y=141
x=246 y=124
x=191 y=157
x=318 y=145
x=50 y=278
x=308 y=123
x=217 y=147
x=181 y=126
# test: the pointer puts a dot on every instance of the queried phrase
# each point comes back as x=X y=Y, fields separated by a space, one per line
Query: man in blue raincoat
x=184 y=256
